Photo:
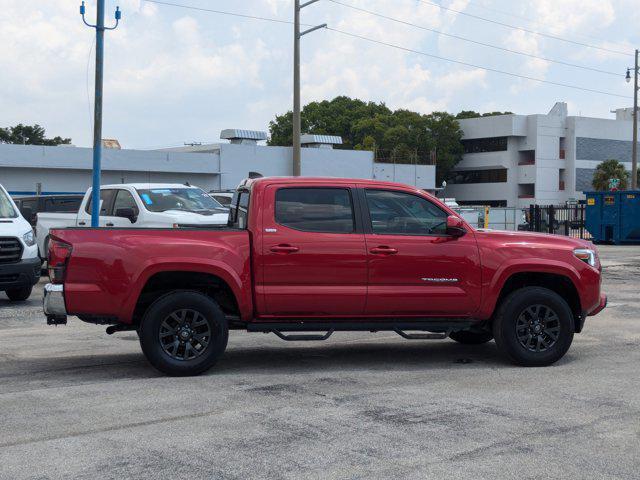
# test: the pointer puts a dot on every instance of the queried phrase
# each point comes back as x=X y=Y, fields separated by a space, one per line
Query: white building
x=517 y=160
x=25 y=170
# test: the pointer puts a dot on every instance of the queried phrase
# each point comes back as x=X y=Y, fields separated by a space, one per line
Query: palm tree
x=608 y=170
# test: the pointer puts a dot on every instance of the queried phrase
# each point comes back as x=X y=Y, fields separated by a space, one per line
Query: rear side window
x=239 y=210
x=222 y=200
x=325 y=210
x=106 y=199
x=62 y=204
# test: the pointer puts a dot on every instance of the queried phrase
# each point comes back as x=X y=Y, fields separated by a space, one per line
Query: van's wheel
x=19 y=294
x=468 y=337
x=183 y=333
x=533 y=327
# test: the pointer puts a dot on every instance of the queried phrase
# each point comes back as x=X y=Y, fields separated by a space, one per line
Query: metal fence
x=565 y=220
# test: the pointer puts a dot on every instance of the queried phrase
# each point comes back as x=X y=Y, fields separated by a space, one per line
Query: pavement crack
x=113 y=428
x=511 y=442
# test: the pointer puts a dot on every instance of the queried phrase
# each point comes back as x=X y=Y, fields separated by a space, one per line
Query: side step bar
x=432 y=329
x=303 y=338
x=422 y=336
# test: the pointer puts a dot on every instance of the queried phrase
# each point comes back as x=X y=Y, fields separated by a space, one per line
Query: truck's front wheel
x=183 y=333
x=533 y=327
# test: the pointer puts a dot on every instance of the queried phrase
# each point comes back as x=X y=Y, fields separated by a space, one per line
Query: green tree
x=447 y=134
x=329 y=117
x=471 y=114
x=607 y=170
x=400 y=136
x=29 y=135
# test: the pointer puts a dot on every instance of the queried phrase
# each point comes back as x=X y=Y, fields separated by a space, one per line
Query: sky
x=175 y=75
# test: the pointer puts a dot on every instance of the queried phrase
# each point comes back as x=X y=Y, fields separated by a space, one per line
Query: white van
x=19 y=261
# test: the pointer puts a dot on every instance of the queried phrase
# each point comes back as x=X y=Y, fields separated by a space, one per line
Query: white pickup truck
x=139 y=205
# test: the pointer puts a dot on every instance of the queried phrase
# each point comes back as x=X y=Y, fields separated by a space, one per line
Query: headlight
x=586 y=255
x=29 y=238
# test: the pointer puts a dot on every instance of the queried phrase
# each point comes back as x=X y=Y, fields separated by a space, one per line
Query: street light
x=634 y=149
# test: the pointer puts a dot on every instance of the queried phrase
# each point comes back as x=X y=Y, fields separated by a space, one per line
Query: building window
x=498 y=175
x=479 y=145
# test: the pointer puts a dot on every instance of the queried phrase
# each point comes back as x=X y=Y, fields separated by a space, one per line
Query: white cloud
x=574 y=15
x=173 y=73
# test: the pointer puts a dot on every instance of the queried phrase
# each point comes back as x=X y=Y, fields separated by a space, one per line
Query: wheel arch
x=560 y=283
x=215 y=281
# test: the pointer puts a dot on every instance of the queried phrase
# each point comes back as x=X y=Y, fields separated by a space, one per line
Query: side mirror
x=27 y=213
x=455 y=226
x=127 y=213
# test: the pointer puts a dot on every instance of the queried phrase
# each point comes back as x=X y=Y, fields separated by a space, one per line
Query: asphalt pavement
x=78 y=403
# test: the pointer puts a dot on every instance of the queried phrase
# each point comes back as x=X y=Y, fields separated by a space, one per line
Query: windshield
x=184 y=199
x=6 y=207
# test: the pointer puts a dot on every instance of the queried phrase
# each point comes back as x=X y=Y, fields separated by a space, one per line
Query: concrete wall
x=211 y=167
x=68 y=169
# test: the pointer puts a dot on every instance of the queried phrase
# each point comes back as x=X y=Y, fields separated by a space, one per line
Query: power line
x=475 y=4
x=488 y=69
x=399 y=47
x=534 y=32
x=465 y=39
x=222 y=12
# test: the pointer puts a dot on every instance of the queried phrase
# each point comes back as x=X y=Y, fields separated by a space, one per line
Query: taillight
x=59 y=253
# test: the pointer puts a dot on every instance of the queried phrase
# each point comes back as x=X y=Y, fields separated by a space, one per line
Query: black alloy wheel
x=184 y=334
x=538 y=328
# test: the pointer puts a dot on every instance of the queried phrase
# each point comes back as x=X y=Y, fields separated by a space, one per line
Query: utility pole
x=97 y=112
x=634 y=148
x=297 y=35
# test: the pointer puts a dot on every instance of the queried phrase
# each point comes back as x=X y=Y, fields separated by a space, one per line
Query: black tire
x=171 y=353
x=19 y=294
x=527 y=322
x=467 y=337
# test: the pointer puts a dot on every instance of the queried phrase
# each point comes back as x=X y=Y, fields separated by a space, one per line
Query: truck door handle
x=82 y=223
x=109 y=224
x=284 y=248
x=384 y=250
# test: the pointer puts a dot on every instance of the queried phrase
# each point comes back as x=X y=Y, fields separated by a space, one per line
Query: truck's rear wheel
x=183 y=333
x=468 y=337
x=19 y=294
x=533 y=327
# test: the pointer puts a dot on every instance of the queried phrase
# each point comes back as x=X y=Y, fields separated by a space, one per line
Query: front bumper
x=53 y=304
x=24 y=273
x=601 y=306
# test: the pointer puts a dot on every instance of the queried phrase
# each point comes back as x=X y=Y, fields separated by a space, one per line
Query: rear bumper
x=24 y=273
x=53 y=304
x=601 y=306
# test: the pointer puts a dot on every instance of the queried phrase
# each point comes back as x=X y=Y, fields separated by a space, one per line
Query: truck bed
x=110 y=267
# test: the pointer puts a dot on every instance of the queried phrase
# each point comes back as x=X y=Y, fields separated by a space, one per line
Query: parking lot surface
x=77 y=403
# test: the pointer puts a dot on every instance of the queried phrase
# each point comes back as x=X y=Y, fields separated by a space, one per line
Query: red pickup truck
x=307 y=255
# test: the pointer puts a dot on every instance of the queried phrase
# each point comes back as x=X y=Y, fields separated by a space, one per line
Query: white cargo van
x=19 y=261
